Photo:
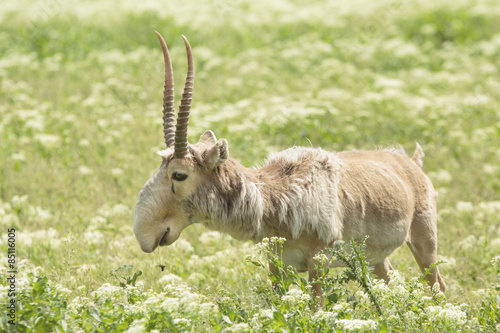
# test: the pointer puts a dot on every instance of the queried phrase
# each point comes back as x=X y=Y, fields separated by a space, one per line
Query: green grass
x=80 y=120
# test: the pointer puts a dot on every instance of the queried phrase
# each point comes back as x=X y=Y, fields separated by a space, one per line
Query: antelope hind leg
x=381 y=270
x=423 y=244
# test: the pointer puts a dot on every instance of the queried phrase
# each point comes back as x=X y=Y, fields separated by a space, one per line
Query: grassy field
x=80 y=122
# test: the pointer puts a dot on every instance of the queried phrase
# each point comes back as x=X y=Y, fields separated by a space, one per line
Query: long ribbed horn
x=181 y=144
x=168 y=96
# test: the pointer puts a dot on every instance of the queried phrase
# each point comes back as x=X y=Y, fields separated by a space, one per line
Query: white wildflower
x=380 y=286
x=266 y=313
x=19 y=201
x=4 y=208
x=449 y=314
x=395 y=278
x=183 y=246
x=94 y=237
x=496 y=262
x=4 y=290
x=127 y=117
x=23 y=264
x=325 y=315
x=77 y=303
x=363 y=297
x=443 y=177
x=400 y=292
x=450 y=261
x=182 y=322
x=255 y=322
x=410 y=316
x=62 y=290
x=24 y=282
x=116 y=172
x=108 y=291
x=341 y=307
x=116 y=210
x=436 y=288
x=102 y=123
x=98 y=221
x=190 y=301
x=85 y=170
x=481 y=293
x=46 y=236
x=489 y=169
x=393 y=319
x=468 y=243
x=18 y=157
x=428 y=29
x=170 y=304
x=140 y=285
x=169 y=279
x=196 y=278
x=36 y=123
x=296 y=296
x=240 y=327
x=47 y=140
x=137 y=326
x=138 y=308
x=84 y=143
x=490 y=207
x=39 y=214
x=70 y=118
x=210 y=237
x=495 y=245
x=207 y=309
x=120 y=210
x=357 y=324
x=464 y=207
x=269 y=244
x=133 y=290
x=86 y=268
x=10 y=220
x=385 y=82
x=321 y=259
x=274 y=241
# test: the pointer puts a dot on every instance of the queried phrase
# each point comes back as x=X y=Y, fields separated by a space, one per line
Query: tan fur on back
x=305 y=191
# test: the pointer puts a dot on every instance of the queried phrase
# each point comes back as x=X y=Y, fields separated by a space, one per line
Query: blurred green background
x=80 y=119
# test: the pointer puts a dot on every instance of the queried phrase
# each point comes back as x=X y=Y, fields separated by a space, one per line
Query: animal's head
x=162 y=210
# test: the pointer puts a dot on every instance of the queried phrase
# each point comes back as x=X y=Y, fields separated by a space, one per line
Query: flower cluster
x=357 y=324
x=296 y=296
x=450 y=315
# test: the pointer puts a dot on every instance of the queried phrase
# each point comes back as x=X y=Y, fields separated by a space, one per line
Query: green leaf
x=256 y=263
x=274 y=278
x=332 y=298
x=227 y=320
x=279 y=318
x=64 y=325
x=95 y=313
x=383 y=328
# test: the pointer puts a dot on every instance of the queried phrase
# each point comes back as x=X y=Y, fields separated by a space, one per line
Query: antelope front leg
x=316 y=287
x=274 y=271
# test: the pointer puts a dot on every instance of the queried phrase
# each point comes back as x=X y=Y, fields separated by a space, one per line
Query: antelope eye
x=179 y=176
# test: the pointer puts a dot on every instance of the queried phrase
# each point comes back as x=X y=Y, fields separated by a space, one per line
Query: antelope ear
x=217 y=154
x=208 y=138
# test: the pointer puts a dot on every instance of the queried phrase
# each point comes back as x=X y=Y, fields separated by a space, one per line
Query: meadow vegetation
x=80 y=122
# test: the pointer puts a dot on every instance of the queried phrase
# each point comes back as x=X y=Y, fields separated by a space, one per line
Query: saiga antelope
x=311 y=197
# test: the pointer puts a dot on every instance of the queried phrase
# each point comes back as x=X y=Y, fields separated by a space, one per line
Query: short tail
x=418 y=155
